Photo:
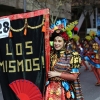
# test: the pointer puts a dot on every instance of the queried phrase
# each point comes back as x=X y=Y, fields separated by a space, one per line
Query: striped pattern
x=78 y=90
x=63 y=66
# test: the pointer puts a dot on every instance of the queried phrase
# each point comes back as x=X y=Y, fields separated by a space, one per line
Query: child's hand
x=53 y=74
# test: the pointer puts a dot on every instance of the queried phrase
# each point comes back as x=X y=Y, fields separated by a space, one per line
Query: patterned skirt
x=68 y=91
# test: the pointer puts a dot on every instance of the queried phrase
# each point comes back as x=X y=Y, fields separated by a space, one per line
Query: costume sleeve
x=75 y=62
x=74 y=70
x=97 y=40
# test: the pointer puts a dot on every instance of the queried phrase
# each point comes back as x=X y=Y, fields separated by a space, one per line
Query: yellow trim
x=28 y=26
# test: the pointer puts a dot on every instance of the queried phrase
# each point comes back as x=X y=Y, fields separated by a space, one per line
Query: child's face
x=58 y=43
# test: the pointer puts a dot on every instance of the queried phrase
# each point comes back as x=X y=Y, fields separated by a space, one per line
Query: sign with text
x=4 y=27
x=22 y=56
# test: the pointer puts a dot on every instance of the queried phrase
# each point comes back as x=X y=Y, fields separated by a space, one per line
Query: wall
x=63 y=11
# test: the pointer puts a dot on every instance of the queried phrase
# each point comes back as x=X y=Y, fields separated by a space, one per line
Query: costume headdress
x=65 y=29
x=88 y=38
x=60 y=33
x=75 y=36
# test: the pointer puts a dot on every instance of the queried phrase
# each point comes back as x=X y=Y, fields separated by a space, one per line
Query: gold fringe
x=28 y=26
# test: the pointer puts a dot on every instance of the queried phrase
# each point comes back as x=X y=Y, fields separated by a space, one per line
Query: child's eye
x=59 y=41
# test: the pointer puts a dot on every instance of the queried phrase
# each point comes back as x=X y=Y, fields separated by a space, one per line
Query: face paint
x=58 y=43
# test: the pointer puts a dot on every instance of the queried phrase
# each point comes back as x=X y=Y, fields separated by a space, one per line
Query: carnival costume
x=93 y=57
x=58 y=88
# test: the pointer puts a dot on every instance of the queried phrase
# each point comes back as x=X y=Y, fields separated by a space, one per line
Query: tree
x=58 y=8
x=87 y=7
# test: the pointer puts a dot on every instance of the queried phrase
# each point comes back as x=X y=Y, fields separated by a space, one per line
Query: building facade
x=57 y=7
x=88 y=14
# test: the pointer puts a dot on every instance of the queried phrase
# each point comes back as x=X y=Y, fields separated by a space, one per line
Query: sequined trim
x=57 y=79
x=74 y=70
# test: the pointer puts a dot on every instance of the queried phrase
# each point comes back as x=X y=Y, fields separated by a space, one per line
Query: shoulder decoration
x=75 y=60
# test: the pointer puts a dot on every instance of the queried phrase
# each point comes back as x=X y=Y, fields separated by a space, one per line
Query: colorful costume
x=61 y=89
x=93 y=58
x=66 y=63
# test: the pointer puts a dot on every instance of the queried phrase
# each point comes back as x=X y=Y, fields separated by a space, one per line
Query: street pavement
x=87 y=80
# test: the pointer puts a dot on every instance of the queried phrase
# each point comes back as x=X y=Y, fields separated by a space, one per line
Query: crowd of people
x=91 y=55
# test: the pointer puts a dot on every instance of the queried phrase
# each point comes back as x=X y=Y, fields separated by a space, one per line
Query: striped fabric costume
x=61 y=89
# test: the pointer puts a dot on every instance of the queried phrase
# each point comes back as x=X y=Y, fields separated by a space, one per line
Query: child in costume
x=85 y=47
x=93 y=56
x=96 y=59
x=63 y=83
x=71 y=45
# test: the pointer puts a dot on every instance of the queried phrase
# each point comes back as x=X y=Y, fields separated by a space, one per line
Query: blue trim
x=95 y=51
x=75 y=70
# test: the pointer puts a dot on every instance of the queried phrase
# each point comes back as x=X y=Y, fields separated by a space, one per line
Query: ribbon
x=74 y=70
x=65 y=85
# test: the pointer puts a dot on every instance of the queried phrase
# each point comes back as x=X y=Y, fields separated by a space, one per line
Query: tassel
x=43 y=28
x=68 y=94
x=10 y=34
x=25 y=31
